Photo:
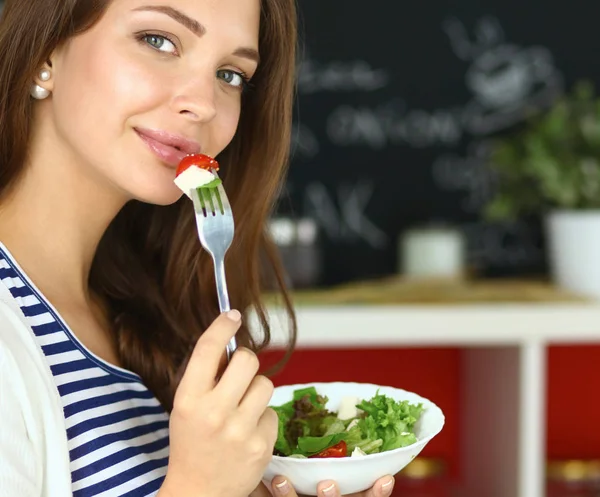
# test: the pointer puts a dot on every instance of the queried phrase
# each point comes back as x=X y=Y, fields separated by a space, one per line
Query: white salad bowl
x=353 y=474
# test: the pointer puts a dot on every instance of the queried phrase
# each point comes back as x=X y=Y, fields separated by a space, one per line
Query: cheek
x=95 y=100
x=229 y=117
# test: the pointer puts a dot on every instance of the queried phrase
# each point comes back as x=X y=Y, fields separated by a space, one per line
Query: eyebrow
x=196 y=28
x=191 y=24
x=248 y=53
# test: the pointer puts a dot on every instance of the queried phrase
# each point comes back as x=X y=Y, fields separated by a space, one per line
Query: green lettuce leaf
x=332 y=425
x=366 y=441
x=318 y=401
x=310 y=416
x=389 y=420
x=284 y=414
x=313 y=445
x=212 y=184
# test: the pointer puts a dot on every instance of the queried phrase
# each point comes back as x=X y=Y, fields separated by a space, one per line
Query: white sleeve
x=20 y=474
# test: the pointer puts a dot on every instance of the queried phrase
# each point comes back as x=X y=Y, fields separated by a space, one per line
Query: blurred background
x=440 y=230
x=446 y=175
x=399 y=112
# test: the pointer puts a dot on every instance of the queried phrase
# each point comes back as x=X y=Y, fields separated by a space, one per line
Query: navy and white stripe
x=116 y=429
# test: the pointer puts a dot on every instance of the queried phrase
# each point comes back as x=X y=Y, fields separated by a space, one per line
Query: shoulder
x=15 y=442
x=23 y=405
x=20 y=464
x=16 y=336
x=11 y=377
x=33 y=445
x=15 y=357
x=23 y=369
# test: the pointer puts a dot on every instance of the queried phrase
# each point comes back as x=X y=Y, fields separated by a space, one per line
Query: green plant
x=552 y=161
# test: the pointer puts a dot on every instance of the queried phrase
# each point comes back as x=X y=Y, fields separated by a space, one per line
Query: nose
x=196 y=100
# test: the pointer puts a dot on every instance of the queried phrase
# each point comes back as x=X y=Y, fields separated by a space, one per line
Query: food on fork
x=197 y=171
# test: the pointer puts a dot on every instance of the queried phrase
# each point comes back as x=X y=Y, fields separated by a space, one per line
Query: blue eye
x=233 y=78
x=160 y=43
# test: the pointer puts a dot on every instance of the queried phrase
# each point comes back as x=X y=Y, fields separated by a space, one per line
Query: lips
x=169 y=148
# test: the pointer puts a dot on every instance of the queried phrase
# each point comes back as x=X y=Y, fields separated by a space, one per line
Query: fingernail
x=330 y=490
x=283 y=487
x=234 y=315
x=388 y=487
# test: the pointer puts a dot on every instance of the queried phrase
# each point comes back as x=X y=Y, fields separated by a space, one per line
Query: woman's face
x=152 y=81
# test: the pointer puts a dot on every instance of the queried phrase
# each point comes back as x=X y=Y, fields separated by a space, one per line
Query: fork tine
x=219 y=200
x=208 y=193
x=197 y=199
x=223 y=200
x=202 y=197
x=206 y=201
x=211 y=201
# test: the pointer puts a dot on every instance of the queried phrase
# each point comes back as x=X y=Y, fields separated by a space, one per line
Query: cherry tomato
x=199 y=160
x=337 y=450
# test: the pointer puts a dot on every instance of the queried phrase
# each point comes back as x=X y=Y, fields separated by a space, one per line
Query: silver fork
x=214 y=221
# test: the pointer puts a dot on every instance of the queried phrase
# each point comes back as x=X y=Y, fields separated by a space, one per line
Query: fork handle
x=223 y=296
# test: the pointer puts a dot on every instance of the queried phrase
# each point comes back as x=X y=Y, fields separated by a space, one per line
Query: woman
x=110 y=335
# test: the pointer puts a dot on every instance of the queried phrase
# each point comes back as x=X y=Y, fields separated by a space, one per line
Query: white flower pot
x=573 y=241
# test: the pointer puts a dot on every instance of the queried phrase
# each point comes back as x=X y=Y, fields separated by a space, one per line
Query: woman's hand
x=280 y=487
x=221 y=433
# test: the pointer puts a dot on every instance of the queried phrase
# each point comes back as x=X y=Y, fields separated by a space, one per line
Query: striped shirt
x=117 y=430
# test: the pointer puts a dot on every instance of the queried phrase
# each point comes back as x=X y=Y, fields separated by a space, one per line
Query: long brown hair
x=149 y=268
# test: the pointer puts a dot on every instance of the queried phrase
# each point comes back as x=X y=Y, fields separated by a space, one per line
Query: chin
x=157 y=195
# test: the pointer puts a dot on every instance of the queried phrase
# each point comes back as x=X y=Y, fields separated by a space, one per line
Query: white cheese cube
x=193 y=177
x=357 y=452
x=347 y=409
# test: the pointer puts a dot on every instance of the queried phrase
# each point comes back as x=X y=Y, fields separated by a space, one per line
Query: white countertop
x=436 y=325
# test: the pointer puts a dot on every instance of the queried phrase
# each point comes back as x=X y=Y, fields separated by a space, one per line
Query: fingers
x=256 y=398
x=203 y=366
x=280 y=487
x=238 y=377
x=328 y=489
x=267 y=425
x=382 y=488
x=222 y=367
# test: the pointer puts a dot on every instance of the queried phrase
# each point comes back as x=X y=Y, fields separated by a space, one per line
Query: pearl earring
x=37 y=91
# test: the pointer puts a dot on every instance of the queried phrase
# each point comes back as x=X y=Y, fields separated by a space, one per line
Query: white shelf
x=456 y=325
x=504 y=373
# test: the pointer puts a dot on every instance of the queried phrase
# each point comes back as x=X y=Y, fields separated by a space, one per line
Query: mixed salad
x=307 y=429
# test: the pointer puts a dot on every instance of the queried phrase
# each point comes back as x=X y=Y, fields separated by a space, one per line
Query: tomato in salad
x=338 y=450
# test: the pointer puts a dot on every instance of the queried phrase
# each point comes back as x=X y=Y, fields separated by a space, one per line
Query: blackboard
x=396 y=105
